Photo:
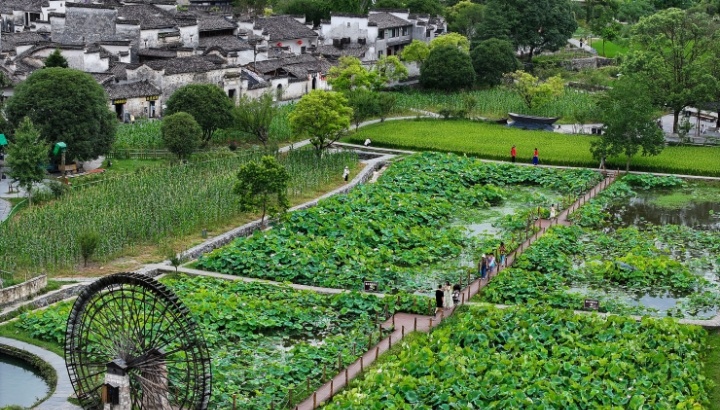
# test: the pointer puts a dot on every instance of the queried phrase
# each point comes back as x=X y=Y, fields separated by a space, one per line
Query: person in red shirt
x=536 y=157
x=513 y=154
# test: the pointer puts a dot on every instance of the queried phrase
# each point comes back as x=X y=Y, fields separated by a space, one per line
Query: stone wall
x=587 y=63
x=26 y=289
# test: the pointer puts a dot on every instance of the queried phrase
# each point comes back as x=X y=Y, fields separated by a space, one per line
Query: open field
x=491 y=141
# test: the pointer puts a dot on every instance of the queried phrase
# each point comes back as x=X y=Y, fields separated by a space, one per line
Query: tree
x=262 y=186
x=464 y=17
x=386 y=104
x=678 y=48
x=628 y=120
x=601 y=16
x=350 y=74
x=416 y=51
x=534 y=25
x=364 y=104
x=26 y=156
x=493 y=58
x=447 y=68
x=66 y=105
x=55 y=59
x=321 y=116
x=631 y=11
x=88 y=241
x=255 y=115
x=207 y=103
x=389 y=4
x=389 y=69
x=533 y=92
x=451 y=39
x=181 y=134
x=431 y=7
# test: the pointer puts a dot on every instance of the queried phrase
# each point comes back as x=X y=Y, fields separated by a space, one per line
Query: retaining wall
x=22 y=291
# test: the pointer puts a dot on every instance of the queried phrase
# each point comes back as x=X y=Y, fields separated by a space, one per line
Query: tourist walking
x=447 y=296
x=346 y=174
x=439 y=296
x=482 y=266
x=536 y=157
x=553 y=211
x=513 y=154
x=491 y=263
x=502 y=252
x=456 y=294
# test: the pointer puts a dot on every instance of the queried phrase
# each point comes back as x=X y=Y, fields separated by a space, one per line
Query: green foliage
x=350 y=74
x=88 y=242
x=447 y=68
x=390 y=231
x=55 y=59
x=321 y=116
x=141 y=135
x=65 y=105
x=416 y=51
x=181 y=134
x=207 y=103
x=464 y=18
x=364 y=103
x=493 y=58
x=26 y=156
x=534 y=93
x=453 y=40
x=196 y=196
x=493 y=358
x=263 y=186
x=390 y=69
x=254 y=116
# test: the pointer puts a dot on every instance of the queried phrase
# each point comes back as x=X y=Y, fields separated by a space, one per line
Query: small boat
x=532 y=119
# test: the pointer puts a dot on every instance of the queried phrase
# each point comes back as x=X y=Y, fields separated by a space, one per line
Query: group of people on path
x=447 y=296
x=535 y=159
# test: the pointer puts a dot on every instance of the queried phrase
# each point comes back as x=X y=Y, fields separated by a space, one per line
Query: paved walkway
x=585 y=46
x=58 y=401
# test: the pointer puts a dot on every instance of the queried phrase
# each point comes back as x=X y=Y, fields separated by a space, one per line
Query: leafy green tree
x=389 y=4
x=255 y=115
x=364 y=103
x=55 y=59
x=451 y=39
x=89 y=242
x=181 y=134
x=66 y=105
x=26 y=156
x=464 y=18
x=350 y=74
x=321 y=116
x=386 y=104
x=676 y=48
x=207 y=103
x=628 y=117
x=447 y=68
x=416 y=51
x=536 y=93
x=431 y=7
x=631 y=11
x=534 y=25
x=262 y=186
x=493 y=58
x=602 y=20
x=390 y=69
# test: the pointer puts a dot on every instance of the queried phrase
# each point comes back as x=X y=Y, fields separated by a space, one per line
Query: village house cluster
x=141 y=51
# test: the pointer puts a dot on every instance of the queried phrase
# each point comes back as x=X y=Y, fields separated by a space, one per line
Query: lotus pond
x=425 y=221
x=646 y=245
x=263 y=340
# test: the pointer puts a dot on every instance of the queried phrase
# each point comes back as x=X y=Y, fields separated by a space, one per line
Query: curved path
x=5 y=208
x=63 y=390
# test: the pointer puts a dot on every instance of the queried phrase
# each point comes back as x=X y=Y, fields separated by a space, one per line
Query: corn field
x=145 y=208
x=498 y=101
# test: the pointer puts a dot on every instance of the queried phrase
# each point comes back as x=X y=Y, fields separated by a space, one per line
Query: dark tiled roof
x=8 y=6
x=283 y=28
x=268 y=66
x=224 y=9
x=297 y=66
x=194 y=64
x=118 y=70
x=353 y=49
x=387 y=20
x=148 y=15
x=11 y=40
x=88 y=6
x=103 y=78
x=157 y=52
x=131 y=90
x=226 y=43
x=212 y=22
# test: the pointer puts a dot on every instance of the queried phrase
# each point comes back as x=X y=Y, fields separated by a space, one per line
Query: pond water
x=19 y=384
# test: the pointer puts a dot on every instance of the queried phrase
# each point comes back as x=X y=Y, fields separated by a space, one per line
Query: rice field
x=144 y=208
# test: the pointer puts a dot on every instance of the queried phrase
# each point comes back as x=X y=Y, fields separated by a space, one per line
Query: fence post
x=415 y=325
x=234 y=398
x=362 y=364
x=402 y=332
x=314 y=400
x=377 y=352
x=332 y=387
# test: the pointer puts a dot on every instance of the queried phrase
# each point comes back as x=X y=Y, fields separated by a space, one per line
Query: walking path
x=404 y=323
x=63 y=390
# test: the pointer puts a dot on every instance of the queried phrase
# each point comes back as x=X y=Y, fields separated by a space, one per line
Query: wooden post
x=415 y=325
x=332 y=387
x=346 y=376
x=389 y=341
x=362 y=364
x=463 y=299
x=234 y=398
x=314 y=400
x=402 y=332
x=377 y=352
x=393 y=320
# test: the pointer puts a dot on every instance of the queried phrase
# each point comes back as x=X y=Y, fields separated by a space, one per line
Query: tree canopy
x=678 y=48
x=534 y=25
x=207 y=103
x=536 y=93
x=262 y=186
x=27 y=156
x=451 y=39
x=254 y=116
x=493 y=58
x=181 y=134
x=416 y=51
x=390 y=69
x=55 y=59
x=447 y=68
x=464 y=17
x=321 y=116
x=66 y=105
x=628 y=117
x=350 y=74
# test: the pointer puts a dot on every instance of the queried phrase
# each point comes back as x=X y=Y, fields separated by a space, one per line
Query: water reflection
x=19 y=385
x=641 y=210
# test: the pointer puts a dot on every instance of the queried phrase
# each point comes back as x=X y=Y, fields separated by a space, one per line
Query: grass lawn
x=712 y=367
x=493 y=141
x=611 y=49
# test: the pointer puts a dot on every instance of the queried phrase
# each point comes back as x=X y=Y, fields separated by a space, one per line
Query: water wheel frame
x=135 y=318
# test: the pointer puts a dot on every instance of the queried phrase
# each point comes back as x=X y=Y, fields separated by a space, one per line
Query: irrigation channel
x=20 y=385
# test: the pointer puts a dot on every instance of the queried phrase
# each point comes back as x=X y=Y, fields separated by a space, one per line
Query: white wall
x=190 y=36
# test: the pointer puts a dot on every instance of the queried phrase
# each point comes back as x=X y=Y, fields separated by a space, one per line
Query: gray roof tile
x=131 y=90
x=283 y=28
x=386 y=20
